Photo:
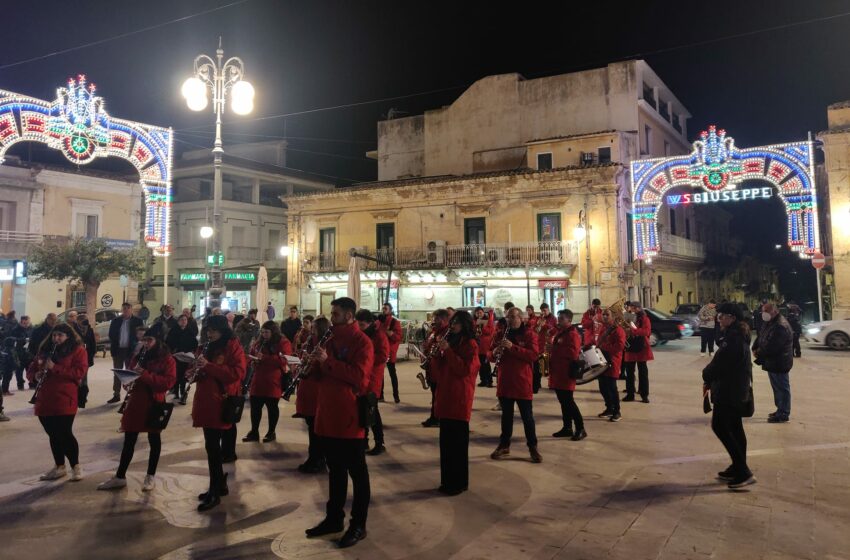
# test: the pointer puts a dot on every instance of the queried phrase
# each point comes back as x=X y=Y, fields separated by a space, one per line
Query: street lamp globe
x=579 y=232
x=242 y=97
x=284 y=251
x=206 y=232
x=195 y=93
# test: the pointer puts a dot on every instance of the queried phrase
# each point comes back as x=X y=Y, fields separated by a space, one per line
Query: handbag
x=232 y=406
x=159 y=415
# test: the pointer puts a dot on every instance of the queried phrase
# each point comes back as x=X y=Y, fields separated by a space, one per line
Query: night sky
x=765 y=71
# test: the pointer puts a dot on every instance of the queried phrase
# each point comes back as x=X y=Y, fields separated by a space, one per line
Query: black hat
x=218 y=323
x=153 y=332
x=730 y=309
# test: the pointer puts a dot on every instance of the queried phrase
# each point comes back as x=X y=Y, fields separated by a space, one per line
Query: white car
x=835 y=334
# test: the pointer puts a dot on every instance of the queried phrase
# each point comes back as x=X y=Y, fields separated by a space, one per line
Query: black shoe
x=210 y=502
x=772 y=414
x=271 y=436
x=430 y=423
x=777 y=419
x=229 y=458
x=616 y=417
x=183 y=399
x=251 y=436
x=223 y=490
x=311 y=468
x=728 y=475
x=20 y=387
x=397 y=400
x=379 y=449
x=489 y=385
x=644 y=400
x=352 y=536
x=114 y=399
x=605 y=414
x=628 y=398
x=563 y=432
x=741 y=480
x=451 y=491
x=381 y=399
x=579 y=435
x=482 y=384
x=326 y=527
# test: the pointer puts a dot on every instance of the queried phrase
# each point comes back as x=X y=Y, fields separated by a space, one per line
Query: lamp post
x=582 y=232
x=222 y=78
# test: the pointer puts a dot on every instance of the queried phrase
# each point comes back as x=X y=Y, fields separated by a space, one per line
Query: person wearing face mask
x=773 y=352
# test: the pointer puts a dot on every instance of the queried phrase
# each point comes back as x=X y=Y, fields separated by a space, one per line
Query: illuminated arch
x=77 y=124
x=717 y=166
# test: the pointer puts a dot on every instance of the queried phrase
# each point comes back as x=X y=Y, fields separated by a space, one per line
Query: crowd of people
x=339 y=382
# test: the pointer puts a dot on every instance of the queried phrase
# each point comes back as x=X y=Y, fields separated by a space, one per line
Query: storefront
x=240 y=290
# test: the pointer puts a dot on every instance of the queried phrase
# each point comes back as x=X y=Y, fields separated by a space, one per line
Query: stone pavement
x=641 y=488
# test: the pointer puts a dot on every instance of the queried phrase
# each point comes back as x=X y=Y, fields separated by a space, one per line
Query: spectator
x=270 y=311
x=707 y=316
x=8 y=363
x=772 y=351
x=87 y=335
x=122 y=341
x=164 y=323
x=21 y=333
x=290 y=327
x=247 y=330
x=192 y=324
x=795 y=315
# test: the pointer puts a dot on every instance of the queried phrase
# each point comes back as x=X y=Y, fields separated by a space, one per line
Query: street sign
x=818 y=260
x=106 y=300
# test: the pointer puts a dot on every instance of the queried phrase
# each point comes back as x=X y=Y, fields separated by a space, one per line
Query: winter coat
x=515 y=367
x=343 y=376
x=39 y=335
x=115 y=333
x=707 y=317
x=392 y=327
x=774 y=344
x=381 y=347
x=270 y=370
x=547 y=325
x=611 y=341
x=58 y=394
x=220 y=378
x=643 y=330
x=566 y=347
x=89 y=341
x=485 y=341
x=246 y=331
x=730 y=372
x=158 y=375
x=455 y=371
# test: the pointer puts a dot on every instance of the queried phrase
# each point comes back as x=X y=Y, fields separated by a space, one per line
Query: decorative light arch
x=77 y=124
x=717 y=166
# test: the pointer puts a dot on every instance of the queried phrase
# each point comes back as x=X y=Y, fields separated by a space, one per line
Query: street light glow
x=206 y=232
x=195 y=92
x=284 y=251
x=242 y=97
x=579 y=232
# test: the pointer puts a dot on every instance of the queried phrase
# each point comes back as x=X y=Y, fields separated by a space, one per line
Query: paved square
x=641 y=488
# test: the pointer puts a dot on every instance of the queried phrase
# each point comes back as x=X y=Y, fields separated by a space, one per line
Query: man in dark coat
x=122 y=341
x=290 y=327
x=21 y=333
x=773 y=352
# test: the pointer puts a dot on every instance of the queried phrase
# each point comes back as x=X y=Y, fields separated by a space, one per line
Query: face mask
x=765 y=316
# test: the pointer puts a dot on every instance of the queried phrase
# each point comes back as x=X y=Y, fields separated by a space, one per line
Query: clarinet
x=500 y=350
x=193 y=374
x=42 y=375
x=139 y=357
x=305 y=366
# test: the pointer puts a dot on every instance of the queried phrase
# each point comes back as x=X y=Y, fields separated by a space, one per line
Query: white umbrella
x=354 y=280
x=262 y=295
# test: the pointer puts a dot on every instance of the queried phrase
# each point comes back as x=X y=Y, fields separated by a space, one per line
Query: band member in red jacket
x=518 y=353
x=157 y=374
x=612 y=342
x=303 y=335
x=59 y=369
x=267 y=354
x=455 y=367
x=306 y=398
x=439 y=329
x=369 y=325
x=220 y=371
x=639 y=352
x=346 y=368
x=544 y=327
x=566 y=346
x=392 y=328
x=485 y=328
x=591 y=322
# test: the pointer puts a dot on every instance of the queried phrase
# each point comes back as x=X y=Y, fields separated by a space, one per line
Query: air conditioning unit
x=588 y=158
x=496 y=255
x=436 y=250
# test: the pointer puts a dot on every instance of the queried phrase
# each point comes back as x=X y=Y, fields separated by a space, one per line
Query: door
x=325 y=303
x=327 y=249
x=385 y=241
x=475 y=239
x=556 y=298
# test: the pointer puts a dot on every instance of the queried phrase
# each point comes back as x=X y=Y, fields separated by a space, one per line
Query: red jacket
x=435 y=335
x=612 y=343
x=343 y=376
x=307 y=394
x=392 y=327
x=270 y=369
x=485 y=341
x=226 y=370
x=455 y=372
x=589 y=318
x=547 y=325
x=381 y=347
x=157 y=377
x=58 y=394
x=301 y=338
x=566 y=346
x=515 y=367
x=644 y=329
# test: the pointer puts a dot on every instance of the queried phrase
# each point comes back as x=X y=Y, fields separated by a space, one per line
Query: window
x=676 y=123
x=270 y=195
x=474 y=296
x=474 y=232
x=274 y=239
x=87 y=226
x=237 y=237
x=548 y=227
x=384 y=236
x=544 y=161
x=664 y=110
x=206 y=190
x=690 y=297
x=605 y=155
x=666 y=148
x=78 y=299
x=671 y=287
x=660 y=285
x=672 y=221
x=649 y=95
x=647 y=138
x=630 y=237
x=327 y=248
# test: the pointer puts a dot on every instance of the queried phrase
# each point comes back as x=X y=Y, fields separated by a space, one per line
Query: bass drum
x=595 y=364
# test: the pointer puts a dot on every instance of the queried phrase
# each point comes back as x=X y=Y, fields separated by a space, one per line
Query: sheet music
x=126 y=376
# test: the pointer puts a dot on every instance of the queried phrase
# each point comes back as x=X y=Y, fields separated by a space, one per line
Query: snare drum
x=595 y=365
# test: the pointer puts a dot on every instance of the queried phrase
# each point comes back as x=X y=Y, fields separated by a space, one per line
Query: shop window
x=672 y=221
x=474 y=296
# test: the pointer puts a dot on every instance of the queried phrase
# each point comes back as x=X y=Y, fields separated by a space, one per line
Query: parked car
x=666 y=328
x=102 y=318
x=834 y=334
x=688 y=312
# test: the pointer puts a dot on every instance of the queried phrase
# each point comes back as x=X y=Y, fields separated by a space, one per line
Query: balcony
x=680 y=247
x=490 y=255
x=16 y=244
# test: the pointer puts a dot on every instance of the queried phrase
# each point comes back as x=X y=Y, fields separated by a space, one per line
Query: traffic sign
x=818 y=260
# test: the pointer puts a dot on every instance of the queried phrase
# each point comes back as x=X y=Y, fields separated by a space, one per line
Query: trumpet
x=500 y=350
x=42 y=375
x=306 y=365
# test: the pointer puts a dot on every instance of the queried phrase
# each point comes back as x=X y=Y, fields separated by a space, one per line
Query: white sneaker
x=702 y=353
x=77 y=473
x=150 y=483
x=112 y=484
x=55 y=473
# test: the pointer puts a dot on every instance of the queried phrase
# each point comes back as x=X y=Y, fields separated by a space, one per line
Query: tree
x=88 y=261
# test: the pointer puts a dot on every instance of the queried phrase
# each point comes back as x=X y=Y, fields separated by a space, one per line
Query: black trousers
x=728 y=426
x=569 y=410
x=377 y=428
x=62 y=441
x=213 y=445
x=228 y=442
x=7 y=379
x=537 y=377
x=526 y=413
x=119 y=361
x=433 y=386
x=130 y=439
x=347 y=457
x=643 y=379
x=179 y=388
x=393 y=380
x=796 y=346
x=315 y=453
x=706 y=342
x=608 y=389
x=454 y=454
x=485 y=371
x=271 y=404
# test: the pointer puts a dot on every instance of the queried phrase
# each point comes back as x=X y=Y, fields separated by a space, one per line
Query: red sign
x=382 y=284
x=818 y=260
x=553 y=284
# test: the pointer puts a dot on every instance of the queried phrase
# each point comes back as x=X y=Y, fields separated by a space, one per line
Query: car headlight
x=814 y=330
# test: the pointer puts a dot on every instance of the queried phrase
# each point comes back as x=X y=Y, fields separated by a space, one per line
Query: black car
x=666 y=328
